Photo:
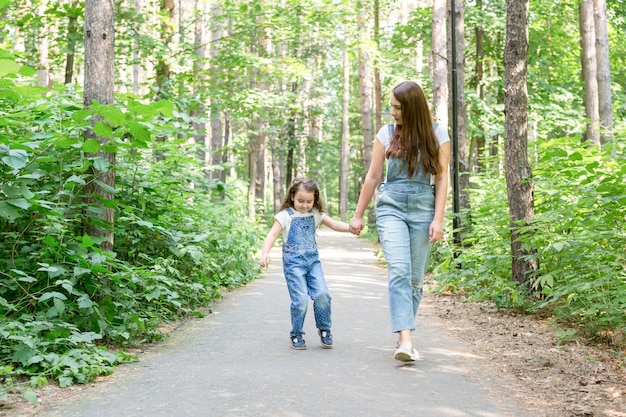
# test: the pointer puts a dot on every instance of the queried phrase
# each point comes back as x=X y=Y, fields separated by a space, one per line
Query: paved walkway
x=238 y=361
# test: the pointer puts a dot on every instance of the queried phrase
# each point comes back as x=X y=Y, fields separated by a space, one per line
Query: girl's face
x=396 y=110
x=303 y=200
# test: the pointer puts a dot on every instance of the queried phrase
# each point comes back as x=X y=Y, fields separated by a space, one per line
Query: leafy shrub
x=580 y=206
x=179 y=238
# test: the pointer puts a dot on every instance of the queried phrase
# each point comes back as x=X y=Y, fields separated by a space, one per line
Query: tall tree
x=167 y=33
x=458 y=78
x=73 y=12
x=440 y=63
x=99 y=76
x=345 y=131
x=365 y=88
x=605 y=101
x=198 y=110
x=478 y=140
x=378 y=100
x=589 y=71
x=518 y=173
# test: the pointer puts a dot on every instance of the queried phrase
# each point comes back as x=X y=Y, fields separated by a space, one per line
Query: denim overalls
x=404 y=210
x=304 y=276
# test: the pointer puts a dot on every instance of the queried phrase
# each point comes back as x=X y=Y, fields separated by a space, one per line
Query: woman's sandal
x=405 y=355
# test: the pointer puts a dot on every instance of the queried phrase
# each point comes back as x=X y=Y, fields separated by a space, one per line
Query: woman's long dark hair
x=306 y=184
x=416 y=136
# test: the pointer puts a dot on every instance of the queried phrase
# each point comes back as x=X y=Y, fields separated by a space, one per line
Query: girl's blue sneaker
x=326 y=339
x=297 y=342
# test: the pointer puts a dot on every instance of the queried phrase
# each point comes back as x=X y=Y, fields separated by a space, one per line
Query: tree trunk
x=344 y=168
x=199 y=109
x=605 y=102
x=518 y=174
x=99 y=76
x=136 y=47
x=72 y=33
x=477 y=160
x=461 y=117
x=440 y=63
x=366 y=100
x=43 y=73
x=378 y=100
x=589 y=71
x=167 y=32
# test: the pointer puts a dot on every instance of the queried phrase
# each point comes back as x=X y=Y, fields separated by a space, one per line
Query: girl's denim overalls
x=404 y=210
x=304 y=276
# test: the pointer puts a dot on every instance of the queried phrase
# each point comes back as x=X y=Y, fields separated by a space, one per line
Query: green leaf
x=81 y=115
x=103 y=130
x=8 y=66
x=166 y=108
x=105 y=187
x=20 y=202
x=139 y=132
x=101 y=164
x=15 y=161
x=78 y=271
x=87 y=242
x=85 y=303
x=114 y=116
x=65 y=381
x=8 y=211
x=50 y=241
x=91 y=146
x=59 y=305
x=52 y=294
x=65 y=141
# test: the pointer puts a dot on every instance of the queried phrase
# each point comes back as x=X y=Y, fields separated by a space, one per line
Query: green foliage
x=179 y=238
x=579 y=236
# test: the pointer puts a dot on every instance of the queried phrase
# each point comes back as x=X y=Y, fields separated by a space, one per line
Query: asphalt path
x=237 y=361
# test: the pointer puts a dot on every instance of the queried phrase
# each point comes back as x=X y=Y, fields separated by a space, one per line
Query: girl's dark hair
x=416 y=136
x=306 y=184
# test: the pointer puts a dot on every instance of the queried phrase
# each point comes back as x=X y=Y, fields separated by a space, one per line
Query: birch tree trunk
x=216 y=143
x=518 y=173
x=99 y=75
x=589 y=71
x=440 y=63
x=605 y=101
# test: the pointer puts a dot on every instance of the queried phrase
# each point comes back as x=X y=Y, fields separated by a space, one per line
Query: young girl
x=299 y=217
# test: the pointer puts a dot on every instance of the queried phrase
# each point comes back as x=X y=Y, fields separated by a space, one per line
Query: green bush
x=579 y=237
x=179 y=238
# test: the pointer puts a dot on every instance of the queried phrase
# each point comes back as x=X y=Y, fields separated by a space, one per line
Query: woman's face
x=303 y=200
x=396 y=110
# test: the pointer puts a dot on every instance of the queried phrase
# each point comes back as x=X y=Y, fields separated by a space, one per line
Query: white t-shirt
x=284 y=218
x=384 y=136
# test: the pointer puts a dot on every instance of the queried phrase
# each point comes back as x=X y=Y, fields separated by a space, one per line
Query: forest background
x=145 y=146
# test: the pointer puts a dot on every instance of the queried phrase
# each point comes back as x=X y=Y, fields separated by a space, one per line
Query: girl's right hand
x=264 y=261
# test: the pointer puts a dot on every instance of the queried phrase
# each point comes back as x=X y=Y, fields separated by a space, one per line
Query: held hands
x=356 y=225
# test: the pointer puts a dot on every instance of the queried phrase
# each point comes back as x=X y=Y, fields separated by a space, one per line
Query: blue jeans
x=403 y=216
x=304 y=276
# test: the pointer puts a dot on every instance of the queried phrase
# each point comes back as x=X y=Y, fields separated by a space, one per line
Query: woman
x=410 y=205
